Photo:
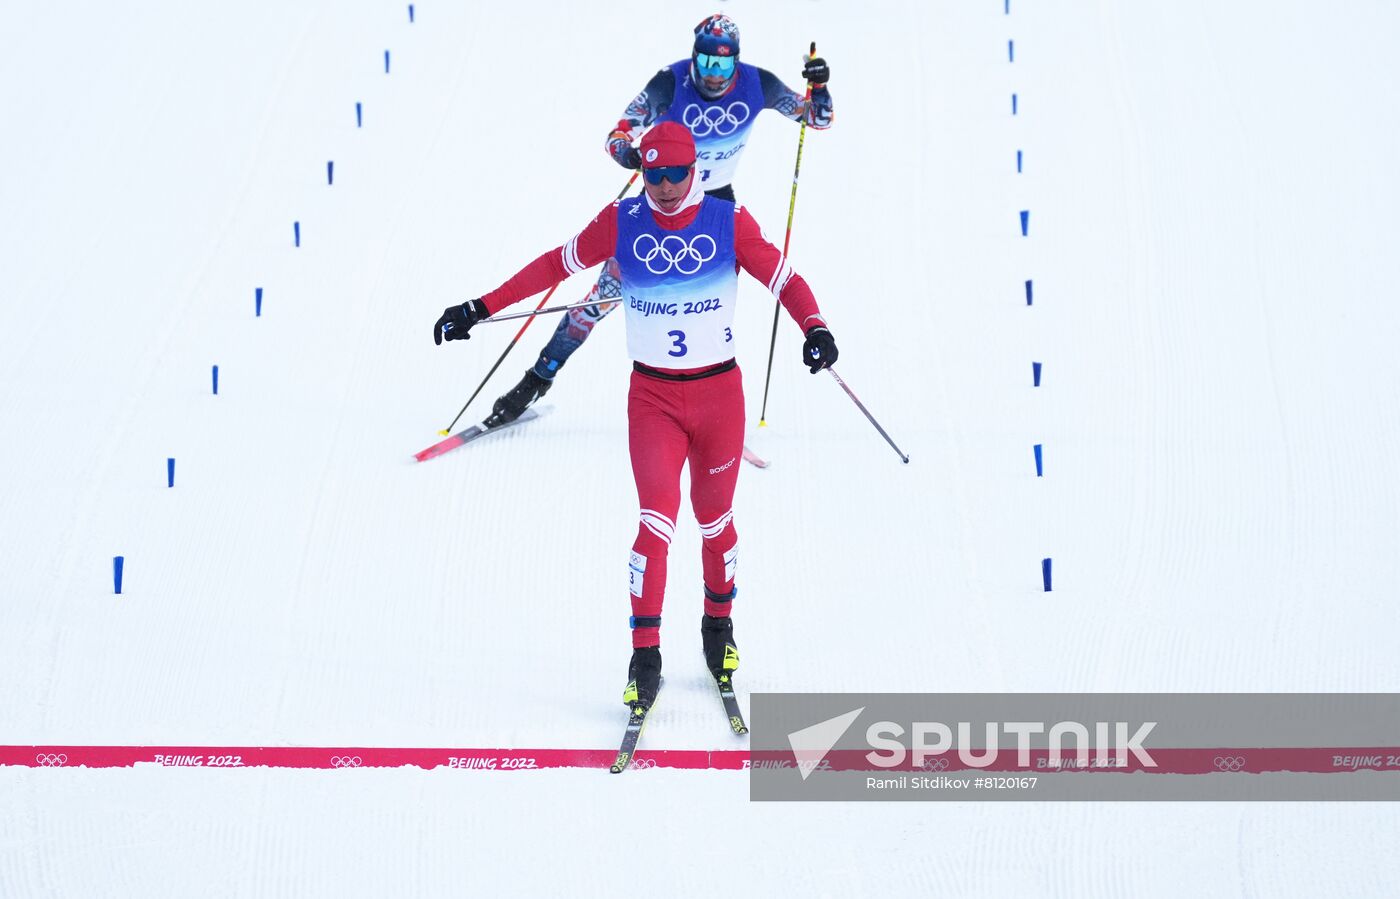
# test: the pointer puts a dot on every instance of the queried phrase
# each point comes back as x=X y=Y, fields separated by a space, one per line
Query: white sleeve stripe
x=570 y=256
x=781 y=276
x=776 y=270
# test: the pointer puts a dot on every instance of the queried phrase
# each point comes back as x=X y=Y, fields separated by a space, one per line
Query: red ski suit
x=676 y=415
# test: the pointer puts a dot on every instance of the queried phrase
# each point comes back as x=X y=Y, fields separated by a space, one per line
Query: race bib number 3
x=682 y=333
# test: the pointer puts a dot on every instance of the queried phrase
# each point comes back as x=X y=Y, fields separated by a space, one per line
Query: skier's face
x=669 y=194
x=714 y=71
x=712 y=86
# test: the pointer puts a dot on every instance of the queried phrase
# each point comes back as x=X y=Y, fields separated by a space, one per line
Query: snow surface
x=1211 y=189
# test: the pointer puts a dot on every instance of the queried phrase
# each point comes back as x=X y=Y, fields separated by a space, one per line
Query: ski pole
x=861 y=406
x=518 y=334
x=551 y=309
x=792 y=204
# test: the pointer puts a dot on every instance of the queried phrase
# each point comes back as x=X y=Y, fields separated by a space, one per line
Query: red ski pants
x=670 y=423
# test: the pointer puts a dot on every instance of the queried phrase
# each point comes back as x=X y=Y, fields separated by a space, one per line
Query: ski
x=754 y=458
x=731 y=705
x=636 y=721
x=466 y=436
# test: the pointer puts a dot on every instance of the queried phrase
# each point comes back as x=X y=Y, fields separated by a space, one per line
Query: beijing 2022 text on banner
x=1075 y=746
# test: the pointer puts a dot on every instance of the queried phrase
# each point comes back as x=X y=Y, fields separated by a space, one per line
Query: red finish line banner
x=320 y=757
x=1169 y=761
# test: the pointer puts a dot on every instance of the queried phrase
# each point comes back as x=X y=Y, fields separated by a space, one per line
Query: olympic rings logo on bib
x=671 y=251
x=716 y=120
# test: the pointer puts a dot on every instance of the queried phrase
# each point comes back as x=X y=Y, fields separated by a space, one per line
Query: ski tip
x=431 y=452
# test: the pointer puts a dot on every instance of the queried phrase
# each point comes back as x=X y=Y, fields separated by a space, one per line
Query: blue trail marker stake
x=118 y=562
x=1028 y=293
x=1006 y=6
x=296 y=233
x=330 y=172
x=170 y=472
x=1045 y=573
x=410 y=12
x=1025 y=221
x=1018 y=162
x=1039 y=469
x=216 y=380
x=1035 y=374
x=1013 y=104
x=359 y=115
x=1010 y=51
x=257 y=302
x=386 y=62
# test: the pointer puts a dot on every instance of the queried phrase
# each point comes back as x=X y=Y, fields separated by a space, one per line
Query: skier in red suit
x=679 y=252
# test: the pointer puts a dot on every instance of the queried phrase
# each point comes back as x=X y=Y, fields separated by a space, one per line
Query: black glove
x=819 y=350
x=456 y=321
x=632 y=159
x=815 y=70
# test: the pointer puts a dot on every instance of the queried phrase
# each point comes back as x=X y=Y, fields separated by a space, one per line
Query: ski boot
x=721 y=653
x=722 y=658
x=644 y=678
x=510 y=405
